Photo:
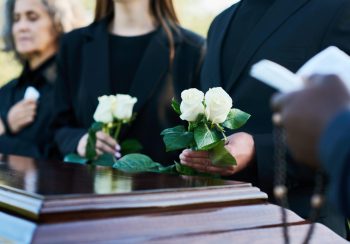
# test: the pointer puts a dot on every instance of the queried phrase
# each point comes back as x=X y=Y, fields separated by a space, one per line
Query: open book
x=330 y=61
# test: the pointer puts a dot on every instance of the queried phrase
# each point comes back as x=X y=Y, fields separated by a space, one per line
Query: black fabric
x=84 y=75
x=31 y=140
x=249 y=14
x=125 y=56
x=334 y=153
x=289 y=33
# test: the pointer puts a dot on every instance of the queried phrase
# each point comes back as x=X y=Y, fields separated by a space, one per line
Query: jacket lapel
x=95 y=75
x=277 y=14
x=211 y=75
x=153 y=68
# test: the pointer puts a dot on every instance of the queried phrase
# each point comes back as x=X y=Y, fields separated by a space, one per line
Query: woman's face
x=33 y=29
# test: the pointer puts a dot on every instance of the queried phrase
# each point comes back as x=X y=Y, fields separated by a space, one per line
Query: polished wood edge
x=22 y=204
x=118 y=213
x=16 y=230
x=158 y=199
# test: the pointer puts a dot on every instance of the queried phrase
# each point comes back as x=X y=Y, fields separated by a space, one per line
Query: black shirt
x=126 y=54
x=31 y=140
x=248 y=14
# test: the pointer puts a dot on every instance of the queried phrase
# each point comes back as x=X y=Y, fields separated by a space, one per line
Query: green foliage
x=90 y=147
x=220 y=156
x=176 y=106
x=75 y=158
x=136 y=163
x=236 y=119
x=105 y=159
x=177 y=138
x=205 y=137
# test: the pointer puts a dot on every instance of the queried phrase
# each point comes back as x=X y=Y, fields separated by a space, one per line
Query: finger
x=27 y=115
x=101 y=145
x=225 y=171
x=118 y=148
x=203 y=161
x=195 y=154
x=29 y=102
x=321 y=79
x=106 y=139
x=198 y=167
x=28 y=119
x=99 y=152
x=277 y=101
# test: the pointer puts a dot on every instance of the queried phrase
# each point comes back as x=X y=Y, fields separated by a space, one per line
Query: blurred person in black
x=286 y=32
x=32 y=30
x=317 y=124
x=133 y=47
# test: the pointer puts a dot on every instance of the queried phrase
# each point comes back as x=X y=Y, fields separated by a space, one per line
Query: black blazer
x=84 y=76
x=290 y=33
x=334 y=151
x=31 y=141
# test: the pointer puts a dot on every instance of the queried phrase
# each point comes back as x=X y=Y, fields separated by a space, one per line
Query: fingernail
x=117 y=147
x=118 y=155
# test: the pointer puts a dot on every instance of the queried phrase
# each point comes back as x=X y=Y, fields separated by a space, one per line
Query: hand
x=104 y=144
x=241 y=146
x=305 y=114
x=21 y=115
x=2 y=128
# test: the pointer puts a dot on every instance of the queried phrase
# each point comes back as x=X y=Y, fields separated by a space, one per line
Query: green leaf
x=105 y=159
x=205 y=137
x=75 y=158
x=220 y=156
x=176 y=106
x=136 y=163
x=177 y=138
x=199 y=121
x=236 y=119
x=91 y=144
x=130 y=146
x=185 y=170
x=168 y=169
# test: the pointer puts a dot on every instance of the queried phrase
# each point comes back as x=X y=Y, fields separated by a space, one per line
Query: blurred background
x=194 y=14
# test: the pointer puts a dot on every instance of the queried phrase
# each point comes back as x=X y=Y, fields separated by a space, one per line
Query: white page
x=330 y=61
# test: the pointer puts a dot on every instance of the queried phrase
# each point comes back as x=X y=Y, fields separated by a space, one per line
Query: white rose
x=218 y=105
x=124 y=106
x=192 y=104
x=104 y=110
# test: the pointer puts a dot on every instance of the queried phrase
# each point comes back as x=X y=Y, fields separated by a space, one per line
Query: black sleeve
x=23 y=148
x=338 y=30
x=5 y=106
x=334 y=153
x=67 y=132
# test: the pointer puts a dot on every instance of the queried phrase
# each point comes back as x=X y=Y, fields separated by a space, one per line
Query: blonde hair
x=65 y=14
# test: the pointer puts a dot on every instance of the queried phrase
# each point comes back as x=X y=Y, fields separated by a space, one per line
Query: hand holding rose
x=104 y=144
x=208 y=148
x=111 y=113
x=240 y=145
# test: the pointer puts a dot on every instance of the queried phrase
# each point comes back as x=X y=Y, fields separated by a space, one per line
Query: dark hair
x=162 y=10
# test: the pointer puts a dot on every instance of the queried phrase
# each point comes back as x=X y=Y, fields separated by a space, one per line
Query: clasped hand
x=240 y=145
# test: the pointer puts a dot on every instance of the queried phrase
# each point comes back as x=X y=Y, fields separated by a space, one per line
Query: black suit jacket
x=290 y=33
x=84 y=76
x=31 y=141
x=334 y=151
